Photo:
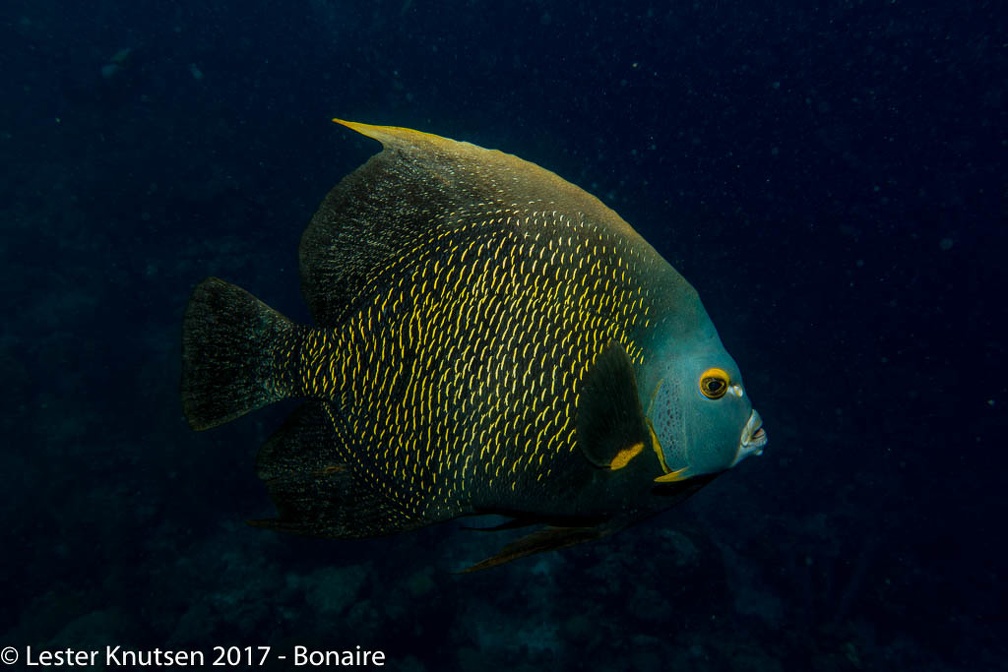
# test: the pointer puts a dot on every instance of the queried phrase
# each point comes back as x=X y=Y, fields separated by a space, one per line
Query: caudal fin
x=233 y=348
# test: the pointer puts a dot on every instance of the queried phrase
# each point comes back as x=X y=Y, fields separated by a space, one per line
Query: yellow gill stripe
x=656 y=446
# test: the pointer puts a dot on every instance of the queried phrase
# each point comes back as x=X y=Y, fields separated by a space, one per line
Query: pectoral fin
x=611 y=427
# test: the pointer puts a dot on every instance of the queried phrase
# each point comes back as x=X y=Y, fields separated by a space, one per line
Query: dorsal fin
x=421 y=187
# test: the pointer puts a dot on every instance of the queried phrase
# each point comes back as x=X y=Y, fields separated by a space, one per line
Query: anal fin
x=314 y=486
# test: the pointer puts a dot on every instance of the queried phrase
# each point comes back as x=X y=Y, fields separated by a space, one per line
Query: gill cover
x=699 y=412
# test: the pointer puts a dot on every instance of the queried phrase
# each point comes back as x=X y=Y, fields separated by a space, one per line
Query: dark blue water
x=830 y=176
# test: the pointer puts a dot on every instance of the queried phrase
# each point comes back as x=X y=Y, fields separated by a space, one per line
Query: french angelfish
x=489 y=339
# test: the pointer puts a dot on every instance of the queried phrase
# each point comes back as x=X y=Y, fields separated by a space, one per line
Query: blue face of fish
x=701 y=415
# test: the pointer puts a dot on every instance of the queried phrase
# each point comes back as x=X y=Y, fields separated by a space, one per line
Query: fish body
x=489 y=339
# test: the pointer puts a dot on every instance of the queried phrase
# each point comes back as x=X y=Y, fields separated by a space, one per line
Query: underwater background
x=830 y=176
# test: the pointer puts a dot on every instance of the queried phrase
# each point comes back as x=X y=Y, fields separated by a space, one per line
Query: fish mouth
x=754 y=437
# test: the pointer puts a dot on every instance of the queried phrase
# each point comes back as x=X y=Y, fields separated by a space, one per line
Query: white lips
x=754 y=437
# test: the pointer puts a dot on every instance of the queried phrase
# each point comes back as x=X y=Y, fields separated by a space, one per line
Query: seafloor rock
x=332 y=590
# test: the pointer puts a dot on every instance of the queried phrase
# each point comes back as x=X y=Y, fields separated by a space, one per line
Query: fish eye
x=714 y=383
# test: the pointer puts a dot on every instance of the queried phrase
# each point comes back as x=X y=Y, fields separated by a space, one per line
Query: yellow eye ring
x=714 y=383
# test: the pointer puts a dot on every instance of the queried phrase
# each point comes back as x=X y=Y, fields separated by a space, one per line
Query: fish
x=488 y=338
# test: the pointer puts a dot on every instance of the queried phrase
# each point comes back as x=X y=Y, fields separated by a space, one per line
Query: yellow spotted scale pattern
x=465 y=369
x=464 y=296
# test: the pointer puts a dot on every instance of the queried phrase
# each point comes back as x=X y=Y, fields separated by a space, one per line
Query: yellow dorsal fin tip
x=391 y=134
